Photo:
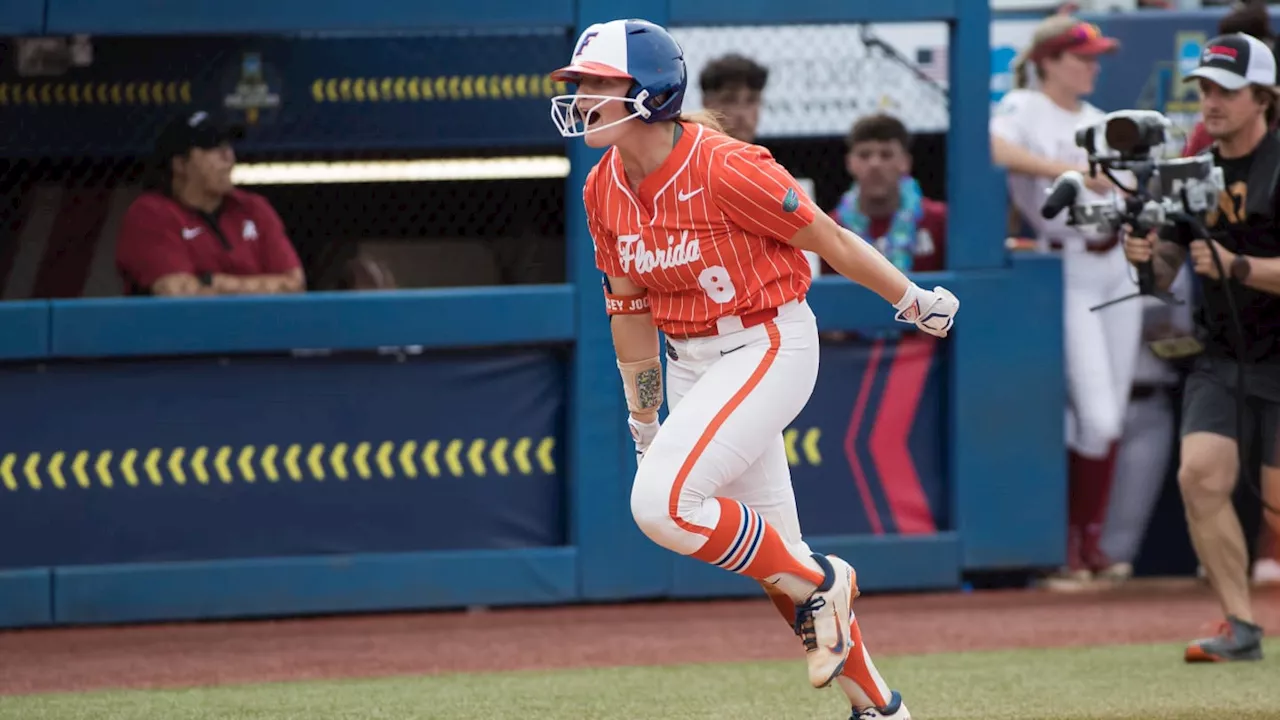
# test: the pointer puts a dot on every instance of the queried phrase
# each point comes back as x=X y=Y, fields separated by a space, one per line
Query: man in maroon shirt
x=197 y=234
x=885 y=206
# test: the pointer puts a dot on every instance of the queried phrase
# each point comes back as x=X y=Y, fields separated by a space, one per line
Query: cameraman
x=1237 y=77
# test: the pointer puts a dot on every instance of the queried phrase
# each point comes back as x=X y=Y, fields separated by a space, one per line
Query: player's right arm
x=635 y=336
x=635 y=341
x=1166 y=256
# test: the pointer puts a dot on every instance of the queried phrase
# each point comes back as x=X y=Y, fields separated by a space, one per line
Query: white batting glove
x=933 y=311
x=643 y=435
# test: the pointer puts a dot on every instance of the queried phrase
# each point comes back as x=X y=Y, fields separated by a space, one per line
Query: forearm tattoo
x=649 y=388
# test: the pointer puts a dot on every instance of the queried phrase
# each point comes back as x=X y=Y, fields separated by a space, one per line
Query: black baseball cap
x=1235 y=61
x=199 y=129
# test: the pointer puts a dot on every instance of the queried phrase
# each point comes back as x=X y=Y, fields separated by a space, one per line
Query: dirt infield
x=258 y=651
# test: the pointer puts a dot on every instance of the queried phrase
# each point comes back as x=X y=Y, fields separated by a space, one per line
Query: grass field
x=1131 y=682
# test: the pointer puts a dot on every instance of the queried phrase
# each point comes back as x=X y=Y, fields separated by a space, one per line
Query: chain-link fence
x=81 y=120
x=822 y=79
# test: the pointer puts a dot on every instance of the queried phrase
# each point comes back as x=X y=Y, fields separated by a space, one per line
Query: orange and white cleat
x=822 y=621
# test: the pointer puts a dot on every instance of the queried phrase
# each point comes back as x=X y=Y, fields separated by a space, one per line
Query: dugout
x=304 y=418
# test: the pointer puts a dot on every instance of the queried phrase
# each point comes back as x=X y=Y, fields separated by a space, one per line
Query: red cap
x=1081 y=39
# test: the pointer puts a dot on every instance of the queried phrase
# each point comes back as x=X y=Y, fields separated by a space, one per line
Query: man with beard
x=1237 y=77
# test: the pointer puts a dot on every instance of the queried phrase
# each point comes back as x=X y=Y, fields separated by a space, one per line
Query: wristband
x=642 y=383
x=626 y=304
x=1240 y=268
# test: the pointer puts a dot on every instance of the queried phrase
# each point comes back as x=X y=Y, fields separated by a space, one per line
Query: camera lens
x=1122 y=134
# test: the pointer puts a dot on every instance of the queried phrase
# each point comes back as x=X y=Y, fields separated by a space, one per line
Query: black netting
x=77 y=139
x=433 y=234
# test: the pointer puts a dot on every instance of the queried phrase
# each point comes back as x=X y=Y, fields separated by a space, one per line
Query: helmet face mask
x=572 y=121
x=635 y=50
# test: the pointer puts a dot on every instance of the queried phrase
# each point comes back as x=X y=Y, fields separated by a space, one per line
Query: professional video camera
x=1167 y=191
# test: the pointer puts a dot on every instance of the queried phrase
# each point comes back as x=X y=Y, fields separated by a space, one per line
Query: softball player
x=1033 y=137
x=701 y=236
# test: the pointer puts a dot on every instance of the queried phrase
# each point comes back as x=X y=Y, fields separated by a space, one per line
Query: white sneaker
x=1066 y=580
x=895 y=710
x=822 y=621
x=1116 y=573
x=1266 y=572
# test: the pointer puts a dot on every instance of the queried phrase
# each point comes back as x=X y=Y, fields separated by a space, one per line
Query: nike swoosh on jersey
x=682 y=195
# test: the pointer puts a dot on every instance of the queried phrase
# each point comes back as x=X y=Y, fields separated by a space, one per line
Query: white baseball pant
x=1142 y=466
x=1101 y=347
x=729 y=399
x=745 y=460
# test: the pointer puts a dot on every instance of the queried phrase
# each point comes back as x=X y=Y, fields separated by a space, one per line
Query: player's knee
x=650 y=509
x=1205 y=487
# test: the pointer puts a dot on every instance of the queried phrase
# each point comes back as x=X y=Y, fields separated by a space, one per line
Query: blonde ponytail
x=706 y=118
x=1020 y=72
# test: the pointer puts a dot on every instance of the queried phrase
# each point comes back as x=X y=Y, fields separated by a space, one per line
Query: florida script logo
x=632 y=249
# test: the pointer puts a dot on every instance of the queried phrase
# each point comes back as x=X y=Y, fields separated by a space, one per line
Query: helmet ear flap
x=640 y=95
x=664 y=105
x=653 y=108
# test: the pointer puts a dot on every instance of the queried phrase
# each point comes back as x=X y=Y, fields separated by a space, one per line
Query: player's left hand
x=933 y=311
x=1202 y=258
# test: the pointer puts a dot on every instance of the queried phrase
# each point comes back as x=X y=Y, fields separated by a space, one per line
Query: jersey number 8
x=715 y=281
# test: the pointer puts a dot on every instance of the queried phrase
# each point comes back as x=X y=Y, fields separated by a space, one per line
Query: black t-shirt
x=1259 y=311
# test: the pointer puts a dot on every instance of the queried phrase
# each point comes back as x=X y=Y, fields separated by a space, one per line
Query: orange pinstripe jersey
x=706 y=234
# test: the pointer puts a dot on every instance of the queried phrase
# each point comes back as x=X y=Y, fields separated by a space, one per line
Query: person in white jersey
x=1150 y=429
x=1033 y=138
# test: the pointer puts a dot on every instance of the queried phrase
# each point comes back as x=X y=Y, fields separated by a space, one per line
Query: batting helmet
x=637 y=50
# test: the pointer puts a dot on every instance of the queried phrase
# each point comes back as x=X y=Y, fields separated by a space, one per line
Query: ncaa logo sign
x=1001 y=71
x=1189 y=51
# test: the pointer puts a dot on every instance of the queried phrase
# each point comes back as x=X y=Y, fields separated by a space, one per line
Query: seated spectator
x=885 y=206
x=194 y=233
x=732 y=86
